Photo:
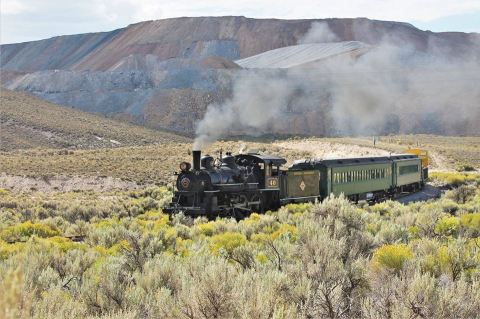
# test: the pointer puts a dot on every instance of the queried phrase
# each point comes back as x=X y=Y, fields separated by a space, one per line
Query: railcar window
x=408 y=169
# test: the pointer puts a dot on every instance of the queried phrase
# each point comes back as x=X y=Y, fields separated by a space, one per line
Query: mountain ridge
x=165 y=73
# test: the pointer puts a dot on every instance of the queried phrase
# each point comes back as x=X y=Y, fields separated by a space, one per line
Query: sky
x=26 y=20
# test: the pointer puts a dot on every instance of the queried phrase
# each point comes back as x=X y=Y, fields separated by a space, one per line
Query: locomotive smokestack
x=196 y=159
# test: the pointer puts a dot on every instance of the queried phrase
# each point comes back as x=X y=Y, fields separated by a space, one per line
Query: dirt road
x=428 y=192
x=327 y=150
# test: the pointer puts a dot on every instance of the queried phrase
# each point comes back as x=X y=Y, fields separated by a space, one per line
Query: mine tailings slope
x=164 y=73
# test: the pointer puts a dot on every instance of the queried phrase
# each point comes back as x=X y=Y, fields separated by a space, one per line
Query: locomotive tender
x=240 y=184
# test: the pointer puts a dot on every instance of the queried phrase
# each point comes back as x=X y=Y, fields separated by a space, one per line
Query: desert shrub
x=206 y=229
x=226 y=242
x=427 y=218
x=23 y=231
x=15 y=300
x=461 y=194
x=470 y=224
x=392 y=256
x=207 y=291
x=334 y=276
x=104 y=285
x=7 y=250
x=58 y=303
x=447 y=226
x=285 y=230
x=329 y=259
x=391 y=233
x=269 y=294
x=297 y=209
x=464 y=167
x=453 y=179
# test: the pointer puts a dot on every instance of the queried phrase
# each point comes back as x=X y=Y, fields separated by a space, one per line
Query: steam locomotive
x=236 y=185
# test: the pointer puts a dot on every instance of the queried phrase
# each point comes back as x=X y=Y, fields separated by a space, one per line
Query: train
x=237 y=185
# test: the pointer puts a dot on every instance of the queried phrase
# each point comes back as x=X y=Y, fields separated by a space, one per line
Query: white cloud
x=13 y=6
x=34 y=19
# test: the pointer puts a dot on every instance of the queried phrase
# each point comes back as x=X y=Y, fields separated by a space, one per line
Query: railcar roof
x=350 y=161
x=263 y=158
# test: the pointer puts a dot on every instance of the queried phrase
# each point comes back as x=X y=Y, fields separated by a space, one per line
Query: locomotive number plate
x=272 y=182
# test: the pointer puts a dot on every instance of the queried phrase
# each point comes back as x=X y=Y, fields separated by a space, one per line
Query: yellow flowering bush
x=227 y=242
x=392 y=256
x=23 y=231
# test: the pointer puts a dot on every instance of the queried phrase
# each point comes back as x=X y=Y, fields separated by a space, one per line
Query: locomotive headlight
x=184 y=166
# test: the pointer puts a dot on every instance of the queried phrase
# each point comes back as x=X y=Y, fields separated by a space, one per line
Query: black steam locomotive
x=237 y=185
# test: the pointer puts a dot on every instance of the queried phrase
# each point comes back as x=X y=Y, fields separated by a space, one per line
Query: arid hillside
x=228 y=37
x=29 y=122
x=165 y=73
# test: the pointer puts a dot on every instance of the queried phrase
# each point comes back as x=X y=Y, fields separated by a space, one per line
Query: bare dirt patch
x=64 y=184
x=321 y=149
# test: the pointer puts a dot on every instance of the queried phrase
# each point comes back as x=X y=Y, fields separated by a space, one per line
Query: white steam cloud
x=391 y=89
x=319 y=32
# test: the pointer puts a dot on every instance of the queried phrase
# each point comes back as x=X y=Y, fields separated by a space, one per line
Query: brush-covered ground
x=325 y=260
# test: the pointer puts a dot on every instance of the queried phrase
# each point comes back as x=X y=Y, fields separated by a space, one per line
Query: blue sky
x=467 y=22
x=25 y=20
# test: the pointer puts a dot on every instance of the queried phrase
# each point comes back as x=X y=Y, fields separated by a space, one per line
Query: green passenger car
x=356 y=176
x=370 y=178
x=408 y=171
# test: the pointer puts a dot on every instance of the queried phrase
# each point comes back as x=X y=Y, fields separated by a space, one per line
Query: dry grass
x=28 y=122
x=154 y=164
x=151 y=164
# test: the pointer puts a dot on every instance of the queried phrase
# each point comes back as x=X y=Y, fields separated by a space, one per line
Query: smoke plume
x=392 y=88
x=319 y=32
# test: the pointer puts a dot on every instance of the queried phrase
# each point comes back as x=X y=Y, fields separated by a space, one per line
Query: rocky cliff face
x=165 y=73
